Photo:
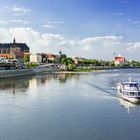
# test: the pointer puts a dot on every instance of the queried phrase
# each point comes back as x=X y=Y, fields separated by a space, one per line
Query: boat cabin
x=131 y=88
x=132 y=85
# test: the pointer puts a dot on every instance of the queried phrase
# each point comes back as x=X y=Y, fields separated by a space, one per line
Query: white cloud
x=55 y=22
x=105 y=41
x=17 y=10
x=20 y=21
x=132 y=49
x=14 y=21
x=101 y=47
x=52 y=24
x=133 y=45
x=48 y=26
x=37 y=42
x=3 y=22
x=132 y=21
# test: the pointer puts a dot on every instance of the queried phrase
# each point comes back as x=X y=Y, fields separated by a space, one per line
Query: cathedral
x=13 y=50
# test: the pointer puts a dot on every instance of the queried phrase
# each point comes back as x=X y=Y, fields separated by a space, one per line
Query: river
x=68 y=107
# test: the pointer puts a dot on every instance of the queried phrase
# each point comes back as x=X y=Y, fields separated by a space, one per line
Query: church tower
x=14 y=41
x=14 y=46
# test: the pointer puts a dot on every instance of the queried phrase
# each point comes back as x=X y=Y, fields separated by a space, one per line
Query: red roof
x=119 y=58
x=51 y=55
x=5 y=55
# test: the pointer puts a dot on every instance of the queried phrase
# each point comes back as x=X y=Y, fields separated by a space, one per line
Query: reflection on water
x=15 y=84
x=23 y=83
x=42 y=79
x=130 y=107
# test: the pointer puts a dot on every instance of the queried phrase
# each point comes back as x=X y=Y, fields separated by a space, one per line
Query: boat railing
x=132 y=89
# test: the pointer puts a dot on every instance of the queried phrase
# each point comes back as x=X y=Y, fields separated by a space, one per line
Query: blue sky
x=87 y=28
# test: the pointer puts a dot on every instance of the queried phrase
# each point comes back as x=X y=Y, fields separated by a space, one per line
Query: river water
x=68 y=107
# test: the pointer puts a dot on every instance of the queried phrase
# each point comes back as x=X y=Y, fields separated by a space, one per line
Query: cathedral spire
x=14 y=41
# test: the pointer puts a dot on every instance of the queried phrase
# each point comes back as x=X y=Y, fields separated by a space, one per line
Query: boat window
x=127 y=85
x=127 y=93
x=133 y=85
x=132 y=93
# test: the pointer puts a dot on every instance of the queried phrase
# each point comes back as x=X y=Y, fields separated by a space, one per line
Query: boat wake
x=106 y=88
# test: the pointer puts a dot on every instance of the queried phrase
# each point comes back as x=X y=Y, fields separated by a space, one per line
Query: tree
x=69 y=61
x=112 y=64
x=64 y=61
x=26 y=58
x=71 y=67
x=62 y=56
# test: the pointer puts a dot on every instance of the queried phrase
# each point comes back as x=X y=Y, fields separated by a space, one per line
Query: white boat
x=129 y=91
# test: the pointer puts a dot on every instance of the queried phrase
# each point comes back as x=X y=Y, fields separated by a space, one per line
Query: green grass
x=84 y=70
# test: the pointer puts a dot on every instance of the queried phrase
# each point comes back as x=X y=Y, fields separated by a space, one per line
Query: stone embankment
x=26 y=72
x=15 y=73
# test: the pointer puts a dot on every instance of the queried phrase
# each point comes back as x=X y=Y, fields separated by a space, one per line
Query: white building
x=38 y=58
x=35 y=58
x=120 y=60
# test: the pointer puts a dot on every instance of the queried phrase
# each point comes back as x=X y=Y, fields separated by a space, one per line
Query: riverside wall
x=15 y=73
x=26 y=72
x=41 y=70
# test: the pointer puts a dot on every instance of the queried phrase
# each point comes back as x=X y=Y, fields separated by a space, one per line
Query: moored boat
x=129 y=91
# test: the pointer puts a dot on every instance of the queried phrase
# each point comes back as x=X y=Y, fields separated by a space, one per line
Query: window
x=126 y=93
x=132 y=93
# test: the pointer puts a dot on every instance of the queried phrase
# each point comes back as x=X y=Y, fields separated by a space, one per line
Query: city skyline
x=91 y=28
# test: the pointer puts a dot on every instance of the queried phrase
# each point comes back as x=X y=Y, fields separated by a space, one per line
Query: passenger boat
x=129 y=91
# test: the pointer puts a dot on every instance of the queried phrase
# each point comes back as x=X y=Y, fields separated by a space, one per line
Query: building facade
x=13 y=50
x=38 y=58
x=53 y=58
x=120 y=60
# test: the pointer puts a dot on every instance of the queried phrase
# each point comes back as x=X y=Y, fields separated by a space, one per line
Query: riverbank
x=97 y=68
x=25 y=72
x=117 y=67
x=45 y=70
x=15 y=73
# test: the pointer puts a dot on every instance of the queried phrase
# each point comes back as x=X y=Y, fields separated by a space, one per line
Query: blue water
x=68 y=107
